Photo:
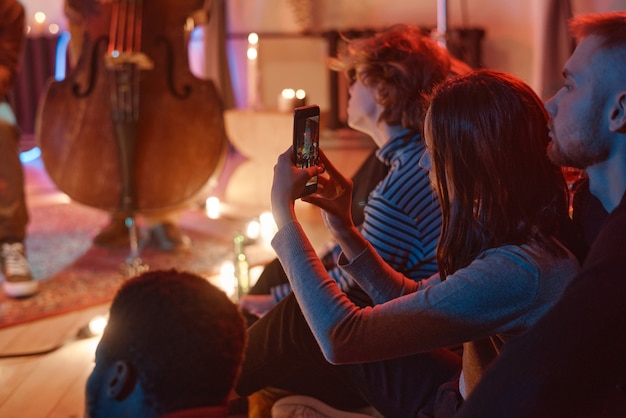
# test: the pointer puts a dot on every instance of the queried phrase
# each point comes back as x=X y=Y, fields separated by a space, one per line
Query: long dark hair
x=487 y=134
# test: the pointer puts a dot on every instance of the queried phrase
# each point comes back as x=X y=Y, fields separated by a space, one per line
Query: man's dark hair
x=182 y=335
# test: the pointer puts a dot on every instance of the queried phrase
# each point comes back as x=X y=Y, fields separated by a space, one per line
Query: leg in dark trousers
x=13 y=212
x=282 y=352
x=272 y=275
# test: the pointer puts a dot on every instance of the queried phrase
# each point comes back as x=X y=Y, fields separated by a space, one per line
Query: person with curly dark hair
x=391 y=74
x=172 y=347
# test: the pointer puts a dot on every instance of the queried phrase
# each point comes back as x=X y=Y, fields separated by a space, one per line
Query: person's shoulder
x=530 y=256
x=611 y=234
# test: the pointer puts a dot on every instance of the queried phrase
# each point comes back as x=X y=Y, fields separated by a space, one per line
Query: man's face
x=363 y=110
x=577 y=127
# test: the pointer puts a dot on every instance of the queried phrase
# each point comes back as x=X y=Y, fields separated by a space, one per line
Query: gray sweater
x=500 y=294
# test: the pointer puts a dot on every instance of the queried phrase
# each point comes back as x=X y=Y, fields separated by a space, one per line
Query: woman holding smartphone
x=501 y=264
x=401 y=217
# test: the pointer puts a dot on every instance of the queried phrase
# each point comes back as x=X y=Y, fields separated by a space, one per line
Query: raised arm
x=472 y=304
x=475 y=303
x=334 y=197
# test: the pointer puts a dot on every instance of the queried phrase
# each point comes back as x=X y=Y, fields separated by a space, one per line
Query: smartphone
x=306 y=141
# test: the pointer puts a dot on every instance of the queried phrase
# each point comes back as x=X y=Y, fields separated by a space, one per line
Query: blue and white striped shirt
x=402 y=216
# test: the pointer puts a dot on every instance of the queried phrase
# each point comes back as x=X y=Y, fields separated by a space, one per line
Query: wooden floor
x=48 y=385
x=52 y=384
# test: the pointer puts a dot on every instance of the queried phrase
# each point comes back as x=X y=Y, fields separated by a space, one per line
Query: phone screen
x=306 y=138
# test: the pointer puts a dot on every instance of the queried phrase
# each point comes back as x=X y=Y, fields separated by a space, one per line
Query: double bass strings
x=125 y=59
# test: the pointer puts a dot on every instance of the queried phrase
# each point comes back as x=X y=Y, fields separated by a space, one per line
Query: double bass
x=131 y=129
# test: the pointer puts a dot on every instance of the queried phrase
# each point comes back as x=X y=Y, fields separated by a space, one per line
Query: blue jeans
x=282 y=352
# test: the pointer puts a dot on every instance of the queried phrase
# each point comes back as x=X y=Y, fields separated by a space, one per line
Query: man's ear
x=122 y=380
x=617 y=123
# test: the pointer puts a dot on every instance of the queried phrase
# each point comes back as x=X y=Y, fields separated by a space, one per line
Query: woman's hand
x=334 y=197
x=289 y=182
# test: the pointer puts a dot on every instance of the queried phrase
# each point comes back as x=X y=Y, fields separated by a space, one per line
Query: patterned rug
x=75 y=274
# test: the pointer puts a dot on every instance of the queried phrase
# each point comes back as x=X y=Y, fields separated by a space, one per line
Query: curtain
x=37 y=66
x=555 y=46
x=215 y=57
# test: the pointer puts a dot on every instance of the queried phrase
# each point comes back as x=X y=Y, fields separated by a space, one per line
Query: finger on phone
x=328 y=165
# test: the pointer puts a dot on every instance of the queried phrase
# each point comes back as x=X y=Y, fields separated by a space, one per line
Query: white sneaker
x=18 y=281
x=298 y=406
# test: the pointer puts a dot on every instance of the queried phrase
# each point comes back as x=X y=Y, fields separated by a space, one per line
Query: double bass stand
x=124 y=70
x=133 y=265
x=126 y=139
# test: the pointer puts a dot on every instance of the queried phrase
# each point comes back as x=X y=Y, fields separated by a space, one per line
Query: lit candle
x=40 y=18
x=253 y=230
x=442 y=21
x=227 y=281
x=212 y=207
x=286 y=100
x=268 y=227
x=98 y=324
x=300 y=98
x=253 y=71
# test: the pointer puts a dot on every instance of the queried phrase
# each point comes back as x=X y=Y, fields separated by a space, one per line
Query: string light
x=253 y=71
